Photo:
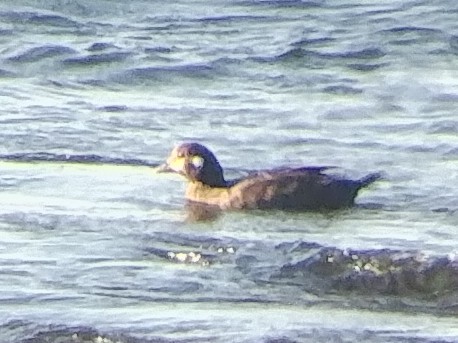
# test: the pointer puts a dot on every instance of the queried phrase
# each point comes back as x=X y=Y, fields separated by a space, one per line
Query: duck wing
x=285 y=171
x=304 y=188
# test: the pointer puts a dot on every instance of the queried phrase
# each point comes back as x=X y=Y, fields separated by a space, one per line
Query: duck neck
x=214 y=183
x=212 y=176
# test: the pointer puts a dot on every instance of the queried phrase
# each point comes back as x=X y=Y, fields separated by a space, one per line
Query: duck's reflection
x=196 y=211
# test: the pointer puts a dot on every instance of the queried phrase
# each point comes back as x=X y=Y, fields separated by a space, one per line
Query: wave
x=6 y=73
x=158 y=50
x=412 y=35
x=67 y=158
x=387 y=273
x=366 y=66
x=454 y=44
x=225 y=327
x=165 y=73
x=36 y=18
x=100 y=46
x=443 y=126
x=41 y=52
x=342 y=90
x=232 y=18
x=310 y=41
x=298 y=53
x=29 y=332
x=287 y=3
x=94 y=59
x=401 y=30
x=373 y=272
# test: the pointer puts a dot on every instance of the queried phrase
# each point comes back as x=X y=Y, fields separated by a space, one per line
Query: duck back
x=295 y=189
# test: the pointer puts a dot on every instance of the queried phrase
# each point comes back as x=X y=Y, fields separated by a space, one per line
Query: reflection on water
x=201 y=212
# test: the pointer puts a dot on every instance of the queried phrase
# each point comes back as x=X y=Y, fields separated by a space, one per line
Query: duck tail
x=367 y=180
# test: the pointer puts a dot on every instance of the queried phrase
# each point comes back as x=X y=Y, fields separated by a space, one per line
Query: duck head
x=196 y=163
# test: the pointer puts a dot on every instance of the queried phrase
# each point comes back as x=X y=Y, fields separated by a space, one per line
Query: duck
x=290 y=189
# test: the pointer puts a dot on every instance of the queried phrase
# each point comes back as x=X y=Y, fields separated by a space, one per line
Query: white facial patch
x=197 y=162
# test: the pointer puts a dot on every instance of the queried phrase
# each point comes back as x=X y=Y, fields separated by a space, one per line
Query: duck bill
x=163 y=168
x=173 y=165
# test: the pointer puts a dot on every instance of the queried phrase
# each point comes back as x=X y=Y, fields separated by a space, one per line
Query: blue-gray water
x=94 y=93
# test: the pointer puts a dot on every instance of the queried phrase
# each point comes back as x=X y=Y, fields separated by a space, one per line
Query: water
x=94 y=93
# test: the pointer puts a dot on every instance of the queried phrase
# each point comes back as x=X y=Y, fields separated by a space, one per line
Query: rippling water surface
x=95 y=247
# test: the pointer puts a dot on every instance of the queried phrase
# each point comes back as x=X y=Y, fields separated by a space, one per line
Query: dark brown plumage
x=294 y=189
